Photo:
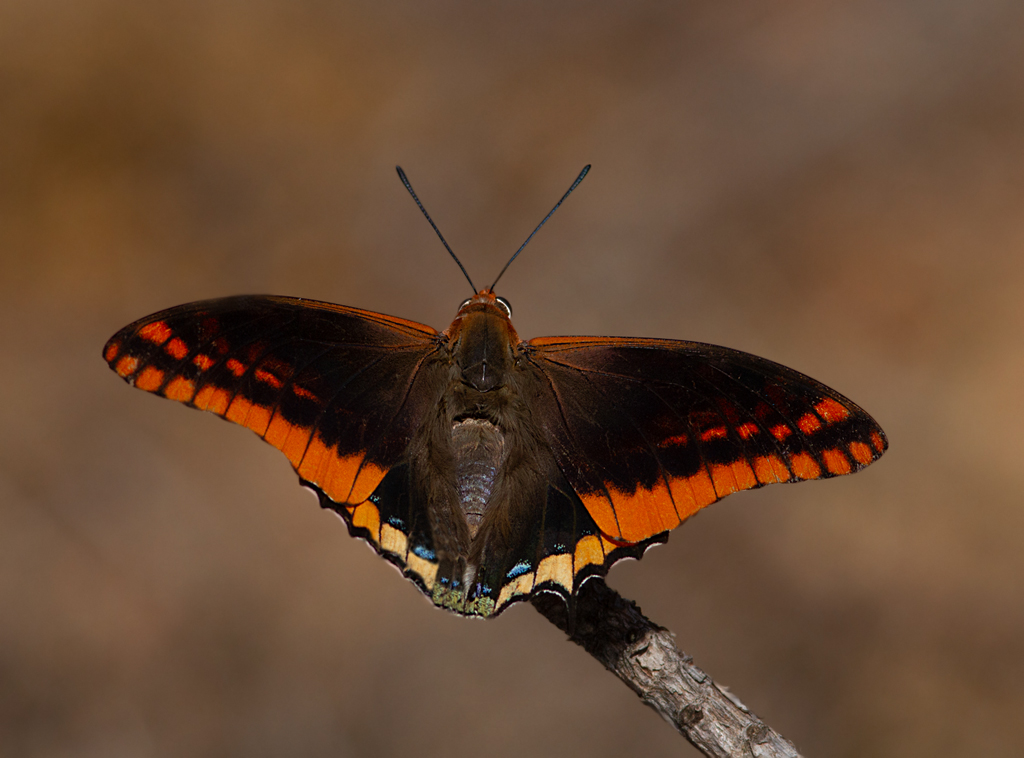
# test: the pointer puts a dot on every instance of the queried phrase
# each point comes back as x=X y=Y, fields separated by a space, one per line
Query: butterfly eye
x=505 y=304
x=465 y=302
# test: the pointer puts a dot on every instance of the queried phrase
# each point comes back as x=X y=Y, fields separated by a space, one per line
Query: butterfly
x=485 y=467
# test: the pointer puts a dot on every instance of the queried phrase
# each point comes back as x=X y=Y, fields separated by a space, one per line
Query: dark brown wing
x=340 y=391
x=650 y=431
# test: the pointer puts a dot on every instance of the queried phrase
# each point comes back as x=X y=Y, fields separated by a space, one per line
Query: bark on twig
x=645 y=657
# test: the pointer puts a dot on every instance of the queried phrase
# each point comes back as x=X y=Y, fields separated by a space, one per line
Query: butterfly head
x=485 y=300
x=484 y=308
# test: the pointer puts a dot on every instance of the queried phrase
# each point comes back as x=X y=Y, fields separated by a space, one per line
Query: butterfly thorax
x=483 y=342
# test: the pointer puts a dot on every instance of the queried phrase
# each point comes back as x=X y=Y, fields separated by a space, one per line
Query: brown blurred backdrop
x=835 y=186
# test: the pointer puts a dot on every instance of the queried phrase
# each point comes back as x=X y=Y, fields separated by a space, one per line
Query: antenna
x=405 y=181
x=568 y=192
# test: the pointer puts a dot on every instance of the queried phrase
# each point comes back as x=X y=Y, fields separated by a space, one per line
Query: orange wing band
x=632 y=517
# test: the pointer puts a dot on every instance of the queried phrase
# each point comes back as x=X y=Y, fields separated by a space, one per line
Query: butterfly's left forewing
x=340 y=391
x=650 y=431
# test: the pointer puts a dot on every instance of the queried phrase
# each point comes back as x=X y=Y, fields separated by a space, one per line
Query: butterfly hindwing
x=555 y=552
x=395 y=525
x=338 y=390
x=650 y=431
x=565 y=548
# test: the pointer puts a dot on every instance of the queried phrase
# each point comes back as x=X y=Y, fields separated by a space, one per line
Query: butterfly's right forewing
x=650 y=431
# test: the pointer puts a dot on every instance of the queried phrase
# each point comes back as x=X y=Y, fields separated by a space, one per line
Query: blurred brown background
x=837 y=188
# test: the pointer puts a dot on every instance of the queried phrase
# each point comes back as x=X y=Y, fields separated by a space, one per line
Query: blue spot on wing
x=518 y=570
x=425 y=553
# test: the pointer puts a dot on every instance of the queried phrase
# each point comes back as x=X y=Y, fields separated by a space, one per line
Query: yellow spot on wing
x=367 y=516
x=519 y=586
x=394 y=541
x=557 y=569
x=426 y=570
x=588 y=551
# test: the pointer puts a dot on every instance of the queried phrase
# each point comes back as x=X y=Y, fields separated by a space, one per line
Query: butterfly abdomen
x=478 y=446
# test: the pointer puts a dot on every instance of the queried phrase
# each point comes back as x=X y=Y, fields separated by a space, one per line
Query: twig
x=645 y=657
